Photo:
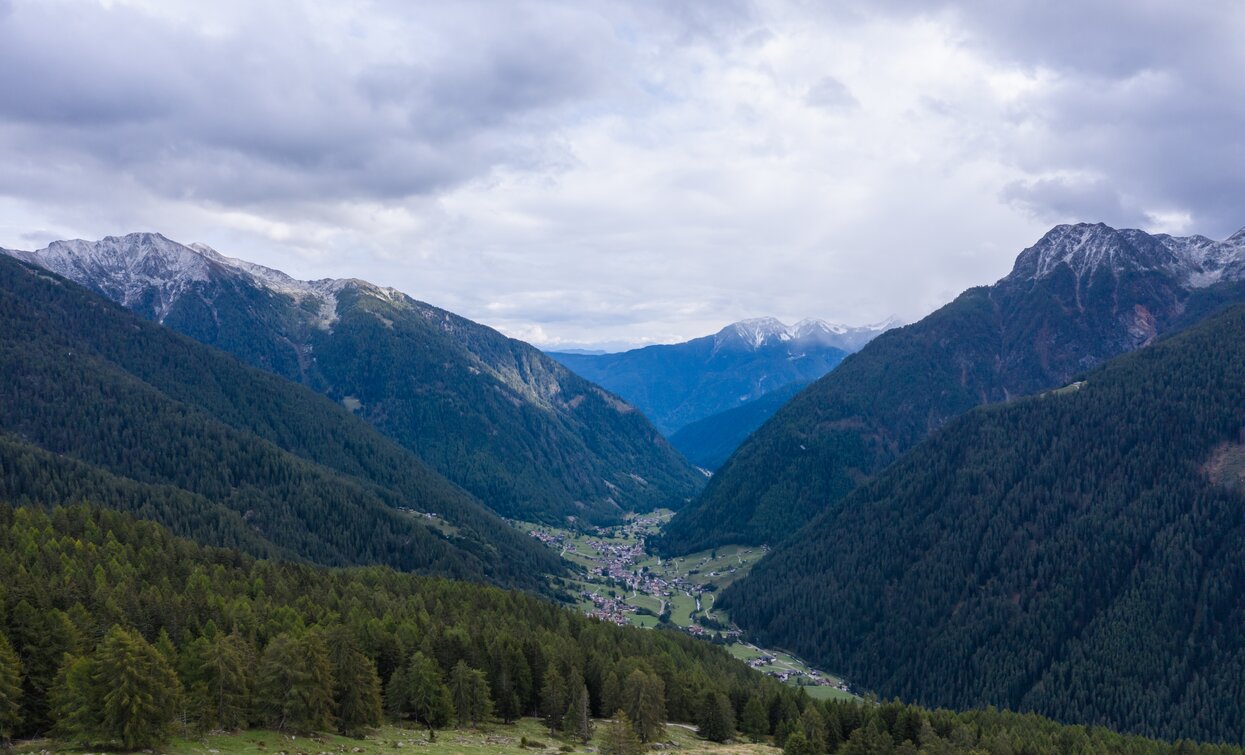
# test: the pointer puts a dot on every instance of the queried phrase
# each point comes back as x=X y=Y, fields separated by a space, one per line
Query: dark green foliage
x=1015 y=338
x=218 y=673
x=644 y=700
x=1078 y=554
x=99 y=405
x=10 y=690
x=577 y=721
x=124 y=694
x=495 y=415
x=554 y=697
x=797 y=744
x=473 y=701
x=356 y=686
x=295 y=684
x=717 y=717
x=418 y=692
x=754 y=721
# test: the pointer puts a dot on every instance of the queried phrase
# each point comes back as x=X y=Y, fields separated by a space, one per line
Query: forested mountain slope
x=1080 y=553
x=709 y=442
x=100 y=405
x=495 y=415
x=1081 y=295
x=113 y=633
x=680 y=383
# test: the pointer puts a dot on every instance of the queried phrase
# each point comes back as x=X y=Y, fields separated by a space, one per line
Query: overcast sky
x=623 y=172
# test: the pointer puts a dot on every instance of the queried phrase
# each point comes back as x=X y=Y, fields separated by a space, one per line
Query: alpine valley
x=241 y=512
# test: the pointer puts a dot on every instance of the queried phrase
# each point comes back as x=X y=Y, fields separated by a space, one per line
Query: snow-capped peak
x=1084 y=248
x=761 y=332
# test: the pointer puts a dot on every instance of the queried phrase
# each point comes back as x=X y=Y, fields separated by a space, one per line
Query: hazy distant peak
x=762 y=332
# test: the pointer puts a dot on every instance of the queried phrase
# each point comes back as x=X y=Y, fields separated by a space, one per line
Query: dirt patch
x=1226 y=466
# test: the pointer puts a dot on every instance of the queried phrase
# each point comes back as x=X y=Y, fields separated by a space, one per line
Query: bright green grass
x=681 y=608
x=640 y=600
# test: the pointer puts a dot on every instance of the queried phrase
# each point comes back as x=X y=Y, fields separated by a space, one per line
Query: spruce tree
x=754 y=721
x=716 y=721
x=814 y=728
x=356 y=686
x=218 y=675
x=578 y=719
x=10 y=691
x=470 y=692
x=553 y=699
x=423 y=696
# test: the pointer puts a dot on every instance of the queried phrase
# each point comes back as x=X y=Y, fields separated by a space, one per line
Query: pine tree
x=10 y=691
x=798 y=744
x=578 y=718
x=218 y=676
x=644 y=700
x=295 y=684
x=871 y=740
x=717 y=719
x=619 y=737
x=422 y=695
x=553 y=699
x=755 y=720
x=470 y=691
x=125 y=694
x=356 y=686
x=814 y=728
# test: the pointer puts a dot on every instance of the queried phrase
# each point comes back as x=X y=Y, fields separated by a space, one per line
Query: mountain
x=1080 y=553
x=494 y=415
x=677 y=384
x=97 y=404
x=709 y=442
x=1081 y=295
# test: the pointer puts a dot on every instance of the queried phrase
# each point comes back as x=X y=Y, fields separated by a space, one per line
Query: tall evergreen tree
x=814 y=728
x=553 y=699
x=422 y=695
x=717 y=719
x=469 y=690
x=620 y=738
x=798 y=744
x=295 y=684
x=218 y=674
x=754 y=721
x=578 y=719
x=356 y=685
x=10 y=691
x=644 y=700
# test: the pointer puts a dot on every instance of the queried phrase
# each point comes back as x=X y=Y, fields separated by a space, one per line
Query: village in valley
x=620 y=582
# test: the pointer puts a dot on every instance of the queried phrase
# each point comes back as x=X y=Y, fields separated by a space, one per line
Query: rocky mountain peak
x=1086 y=248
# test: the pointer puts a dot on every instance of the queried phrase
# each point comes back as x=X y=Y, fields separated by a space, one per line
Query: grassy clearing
x=496 y=738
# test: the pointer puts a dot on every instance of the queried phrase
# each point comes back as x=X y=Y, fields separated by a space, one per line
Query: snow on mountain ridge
x=1084 y=248
x=759 y=332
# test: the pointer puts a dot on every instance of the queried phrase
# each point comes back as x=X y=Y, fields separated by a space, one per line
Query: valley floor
x=617 y=580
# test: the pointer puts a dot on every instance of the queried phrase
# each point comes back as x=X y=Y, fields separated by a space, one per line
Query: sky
x=588 y=173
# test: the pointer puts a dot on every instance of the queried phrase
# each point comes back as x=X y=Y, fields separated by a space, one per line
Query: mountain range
x=1080 y=553
x=496 y=416
x=102 y=406
x=678 y=384
x=1083 y=294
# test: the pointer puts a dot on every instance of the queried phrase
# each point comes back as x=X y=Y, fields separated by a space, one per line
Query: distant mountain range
x=495 y=415
x=1080 y=553
x=1083 y=294
x=678 y=384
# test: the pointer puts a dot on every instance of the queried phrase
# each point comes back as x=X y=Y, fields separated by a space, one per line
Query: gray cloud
x=579 y=170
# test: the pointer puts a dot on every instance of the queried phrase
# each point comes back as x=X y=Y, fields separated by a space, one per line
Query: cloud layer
x=586 y=172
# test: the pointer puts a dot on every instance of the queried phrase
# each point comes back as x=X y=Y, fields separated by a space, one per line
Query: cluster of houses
x=609 y=609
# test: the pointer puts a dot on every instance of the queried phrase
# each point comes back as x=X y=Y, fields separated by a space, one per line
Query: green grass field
x=496 y=738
